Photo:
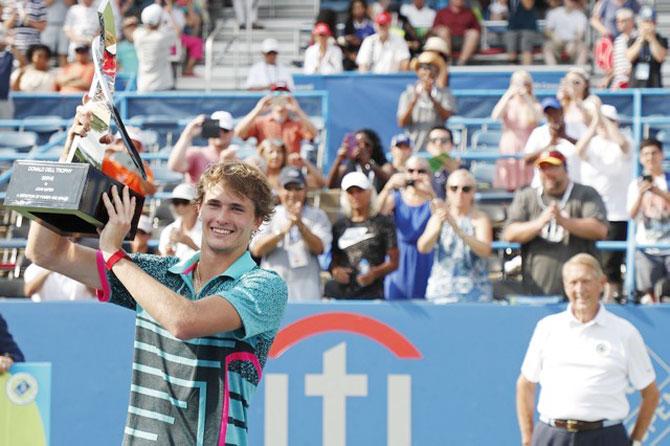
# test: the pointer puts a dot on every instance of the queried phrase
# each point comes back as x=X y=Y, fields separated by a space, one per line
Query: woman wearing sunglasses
x=459 y=236
x=406 y=197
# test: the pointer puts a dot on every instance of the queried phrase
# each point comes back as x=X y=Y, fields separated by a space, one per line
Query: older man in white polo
x=584 y=359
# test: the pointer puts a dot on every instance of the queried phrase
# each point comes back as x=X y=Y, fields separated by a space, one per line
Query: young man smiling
x=204 y=325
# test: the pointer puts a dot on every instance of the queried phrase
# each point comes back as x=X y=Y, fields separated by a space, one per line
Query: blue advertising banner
x=25 y=405
x=338 y=374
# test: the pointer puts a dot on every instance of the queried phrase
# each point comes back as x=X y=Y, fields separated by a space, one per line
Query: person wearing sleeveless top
x=460 y=247
x=407 y=198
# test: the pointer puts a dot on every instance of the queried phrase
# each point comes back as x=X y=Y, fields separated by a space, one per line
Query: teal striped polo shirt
x=197 y=392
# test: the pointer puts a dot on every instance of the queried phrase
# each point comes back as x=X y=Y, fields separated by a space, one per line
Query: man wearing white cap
x=153 y=44
x=182 y=237
x=194 y=160
x=607 y=166
x=268 y=73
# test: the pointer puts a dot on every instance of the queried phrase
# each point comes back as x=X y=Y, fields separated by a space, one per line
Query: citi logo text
x=334 y=385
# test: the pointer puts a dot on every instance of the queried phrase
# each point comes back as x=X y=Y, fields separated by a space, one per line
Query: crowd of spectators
x=409 y=226
x=50 y=41
x=382 y=37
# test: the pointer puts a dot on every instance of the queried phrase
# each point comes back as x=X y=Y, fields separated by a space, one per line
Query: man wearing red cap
x=324 y=56
x=383 y=52
x=552 y=222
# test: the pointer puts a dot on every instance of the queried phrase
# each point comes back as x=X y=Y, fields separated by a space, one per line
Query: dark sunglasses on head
x=180 y=202
x=420 y=171
x=465 y=189
x=442 y=140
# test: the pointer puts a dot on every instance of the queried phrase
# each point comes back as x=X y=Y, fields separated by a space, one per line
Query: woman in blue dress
x=459 y=236
x=407 y=197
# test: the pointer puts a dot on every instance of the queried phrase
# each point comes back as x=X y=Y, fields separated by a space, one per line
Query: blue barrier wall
x=436 y=372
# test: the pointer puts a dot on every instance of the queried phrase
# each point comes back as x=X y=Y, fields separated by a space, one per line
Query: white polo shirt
x=584 y=369
x=383 y=57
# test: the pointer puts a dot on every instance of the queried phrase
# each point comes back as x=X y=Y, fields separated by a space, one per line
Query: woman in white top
x=324 y=56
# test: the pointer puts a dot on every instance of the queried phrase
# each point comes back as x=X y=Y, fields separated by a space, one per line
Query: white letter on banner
x=334 y=385
x=276 y=409
x=399 y=410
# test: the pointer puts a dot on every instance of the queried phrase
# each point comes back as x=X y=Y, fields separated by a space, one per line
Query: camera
x=648 y=178
x=210 y=128
x=410 y=183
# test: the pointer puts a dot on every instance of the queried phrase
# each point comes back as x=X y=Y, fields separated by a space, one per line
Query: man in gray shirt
x=553 y=223
x=424 y=105
x=292 y=240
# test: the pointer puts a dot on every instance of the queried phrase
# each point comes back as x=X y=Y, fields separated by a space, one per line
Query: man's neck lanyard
x=552 y=231
x=564 y=198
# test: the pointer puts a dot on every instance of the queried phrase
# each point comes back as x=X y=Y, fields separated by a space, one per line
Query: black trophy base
x=65 y=197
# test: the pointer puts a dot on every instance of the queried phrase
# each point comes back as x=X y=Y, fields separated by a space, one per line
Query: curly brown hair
x=242 y=179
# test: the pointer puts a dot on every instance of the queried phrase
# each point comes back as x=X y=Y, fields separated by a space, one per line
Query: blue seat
x=486 y=140
x=19 y=141
x=43 y=125
x=166 y=177
x=483 y=172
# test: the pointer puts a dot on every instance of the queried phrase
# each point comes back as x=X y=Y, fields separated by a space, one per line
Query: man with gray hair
x=584 y=359
x=620 y=75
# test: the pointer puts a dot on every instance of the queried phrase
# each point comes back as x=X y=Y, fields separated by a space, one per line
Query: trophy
x=67 y=196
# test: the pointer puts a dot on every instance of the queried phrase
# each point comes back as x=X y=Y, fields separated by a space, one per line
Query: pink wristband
x=103 y=294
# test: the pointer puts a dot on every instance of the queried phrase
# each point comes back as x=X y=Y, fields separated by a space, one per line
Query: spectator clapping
x=459 y=237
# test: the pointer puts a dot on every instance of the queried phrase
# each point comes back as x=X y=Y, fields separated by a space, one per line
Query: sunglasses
x=294 y=187
x=180 y=202
x=427 y=66
x=419 y=171
x=441 y=140
x=465 y=189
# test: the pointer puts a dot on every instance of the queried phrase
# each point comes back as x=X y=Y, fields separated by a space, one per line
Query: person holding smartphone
x=194 y=160
x=360 y=151
x=278 y=116
x=406 y=197
x=649 y=205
